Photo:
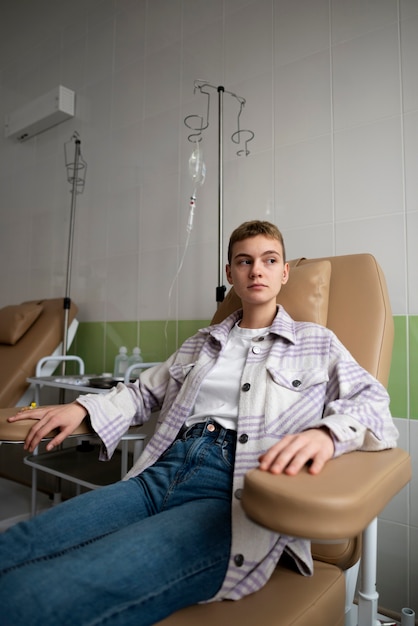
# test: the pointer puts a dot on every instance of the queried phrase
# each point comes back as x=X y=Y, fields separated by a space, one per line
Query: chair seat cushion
x=288 y=599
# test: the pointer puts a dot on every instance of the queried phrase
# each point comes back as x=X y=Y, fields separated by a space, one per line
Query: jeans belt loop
x=221 y=436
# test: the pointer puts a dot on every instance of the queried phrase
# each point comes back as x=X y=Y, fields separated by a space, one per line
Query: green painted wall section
x=413 y=366
x=97 y=343
x=403 y=388
x=398 y=379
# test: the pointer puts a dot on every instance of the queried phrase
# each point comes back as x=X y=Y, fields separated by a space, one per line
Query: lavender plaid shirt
x=303 y=377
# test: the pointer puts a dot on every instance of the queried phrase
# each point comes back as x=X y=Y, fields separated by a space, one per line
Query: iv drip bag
x=197 y=167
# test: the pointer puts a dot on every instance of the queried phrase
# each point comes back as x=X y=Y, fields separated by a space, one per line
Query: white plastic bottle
x=135 y=357
x=121 y=362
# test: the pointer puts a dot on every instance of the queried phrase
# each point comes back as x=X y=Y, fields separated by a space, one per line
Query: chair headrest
x=305 y=296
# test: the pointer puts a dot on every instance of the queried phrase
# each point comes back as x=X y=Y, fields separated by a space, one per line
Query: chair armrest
x=336 y=504
x=16 y=432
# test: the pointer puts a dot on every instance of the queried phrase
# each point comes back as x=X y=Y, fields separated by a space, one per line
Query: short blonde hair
x=252 y=229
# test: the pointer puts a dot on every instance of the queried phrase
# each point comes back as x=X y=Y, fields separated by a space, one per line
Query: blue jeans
x=130 y=553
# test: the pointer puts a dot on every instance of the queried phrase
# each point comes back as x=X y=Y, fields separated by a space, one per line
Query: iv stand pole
x=67 y=299
x=198 y=84
x=220 y=290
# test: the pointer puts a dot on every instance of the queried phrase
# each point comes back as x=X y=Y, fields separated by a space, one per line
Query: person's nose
x=256 y=269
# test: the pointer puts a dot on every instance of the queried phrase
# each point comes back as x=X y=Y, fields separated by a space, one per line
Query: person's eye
x=271 y=261
x=245 y=262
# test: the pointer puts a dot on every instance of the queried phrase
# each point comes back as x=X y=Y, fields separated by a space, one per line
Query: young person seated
x=173 y=533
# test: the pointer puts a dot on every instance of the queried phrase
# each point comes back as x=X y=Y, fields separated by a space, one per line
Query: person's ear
x=285 y=276
x=228 y=273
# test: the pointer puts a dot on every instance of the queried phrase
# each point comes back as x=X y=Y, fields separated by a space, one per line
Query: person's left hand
x=314 y=446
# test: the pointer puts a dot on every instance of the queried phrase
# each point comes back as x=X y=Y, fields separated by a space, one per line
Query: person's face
x=257 y=269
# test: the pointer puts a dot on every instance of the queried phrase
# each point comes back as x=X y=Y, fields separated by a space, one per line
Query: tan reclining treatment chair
x=347 y=294
x=28 y=332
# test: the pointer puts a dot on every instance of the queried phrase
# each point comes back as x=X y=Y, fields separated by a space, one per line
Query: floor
x=15 y=502
x=79 y=461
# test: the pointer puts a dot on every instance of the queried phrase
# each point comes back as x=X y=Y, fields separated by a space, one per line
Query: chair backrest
x=348 y=294
x=40 y=338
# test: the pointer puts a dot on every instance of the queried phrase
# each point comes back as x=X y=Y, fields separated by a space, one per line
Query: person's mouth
x=257 y=286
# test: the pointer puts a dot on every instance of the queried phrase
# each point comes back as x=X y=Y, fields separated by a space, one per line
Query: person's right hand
x=64 y=417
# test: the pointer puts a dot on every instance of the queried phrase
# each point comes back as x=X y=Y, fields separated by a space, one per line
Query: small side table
x=78 y=382
x=78 y=465
x=67 y=463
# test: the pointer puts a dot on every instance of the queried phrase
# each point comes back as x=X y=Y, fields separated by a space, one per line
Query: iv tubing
x=170 y=291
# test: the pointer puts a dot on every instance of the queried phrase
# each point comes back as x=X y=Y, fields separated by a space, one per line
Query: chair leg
x=351 y=576
x=368 y=596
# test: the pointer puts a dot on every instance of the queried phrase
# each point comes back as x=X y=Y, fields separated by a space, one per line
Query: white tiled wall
x=332 y=97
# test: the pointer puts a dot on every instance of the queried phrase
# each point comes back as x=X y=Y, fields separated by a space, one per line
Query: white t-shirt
x=219 y=393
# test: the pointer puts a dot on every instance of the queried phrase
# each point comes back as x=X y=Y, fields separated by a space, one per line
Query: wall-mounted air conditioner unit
x=53 y=108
